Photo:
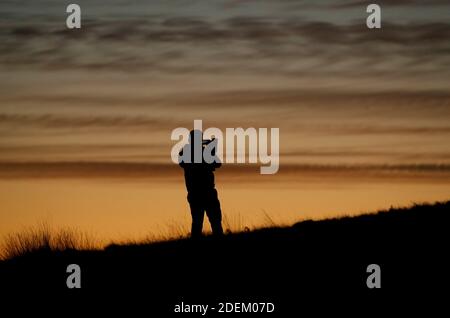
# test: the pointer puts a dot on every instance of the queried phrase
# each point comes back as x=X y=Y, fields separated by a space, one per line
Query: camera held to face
x=207 y=141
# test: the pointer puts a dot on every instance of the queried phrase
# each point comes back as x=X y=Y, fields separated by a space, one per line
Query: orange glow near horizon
x=125 y=210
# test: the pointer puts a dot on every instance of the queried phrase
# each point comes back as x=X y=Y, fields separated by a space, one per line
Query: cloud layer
x=239 y=45
x=115 y=89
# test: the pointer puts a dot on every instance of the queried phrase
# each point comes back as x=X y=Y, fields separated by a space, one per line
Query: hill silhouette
x=307 y=258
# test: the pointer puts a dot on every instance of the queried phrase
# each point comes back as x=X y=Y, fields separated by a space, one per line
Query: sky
x=86 y=115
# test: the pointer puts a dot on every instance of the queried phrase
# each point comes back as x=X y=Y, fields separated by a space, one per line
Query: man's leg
x=214 y=212
x=197 y=212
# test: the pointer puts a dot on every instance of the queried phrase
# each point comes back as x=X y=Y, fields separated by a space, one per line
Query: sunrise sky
x=86 y=115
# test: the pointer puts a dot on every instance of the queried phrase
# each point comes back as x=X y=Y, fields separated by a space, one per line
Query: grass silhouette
x=409 y=244
x=44 y=238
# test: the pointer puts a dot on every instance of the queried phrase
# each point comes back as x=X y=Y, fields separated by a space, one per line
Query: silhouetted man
x=199 y=179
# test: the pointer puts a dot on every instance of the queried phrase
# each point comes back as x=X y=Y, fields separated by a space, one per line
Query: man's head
x=195 y=136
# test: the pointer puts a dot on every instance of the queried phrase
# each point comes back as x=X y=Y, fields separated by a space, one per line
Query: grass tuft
x=44 y=238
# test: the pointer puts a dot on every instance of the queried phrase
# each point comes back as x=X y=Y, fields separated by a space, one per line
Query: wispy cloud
x=237 y=45
x=389 y=3
x=229 y=173
x=74 y=121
